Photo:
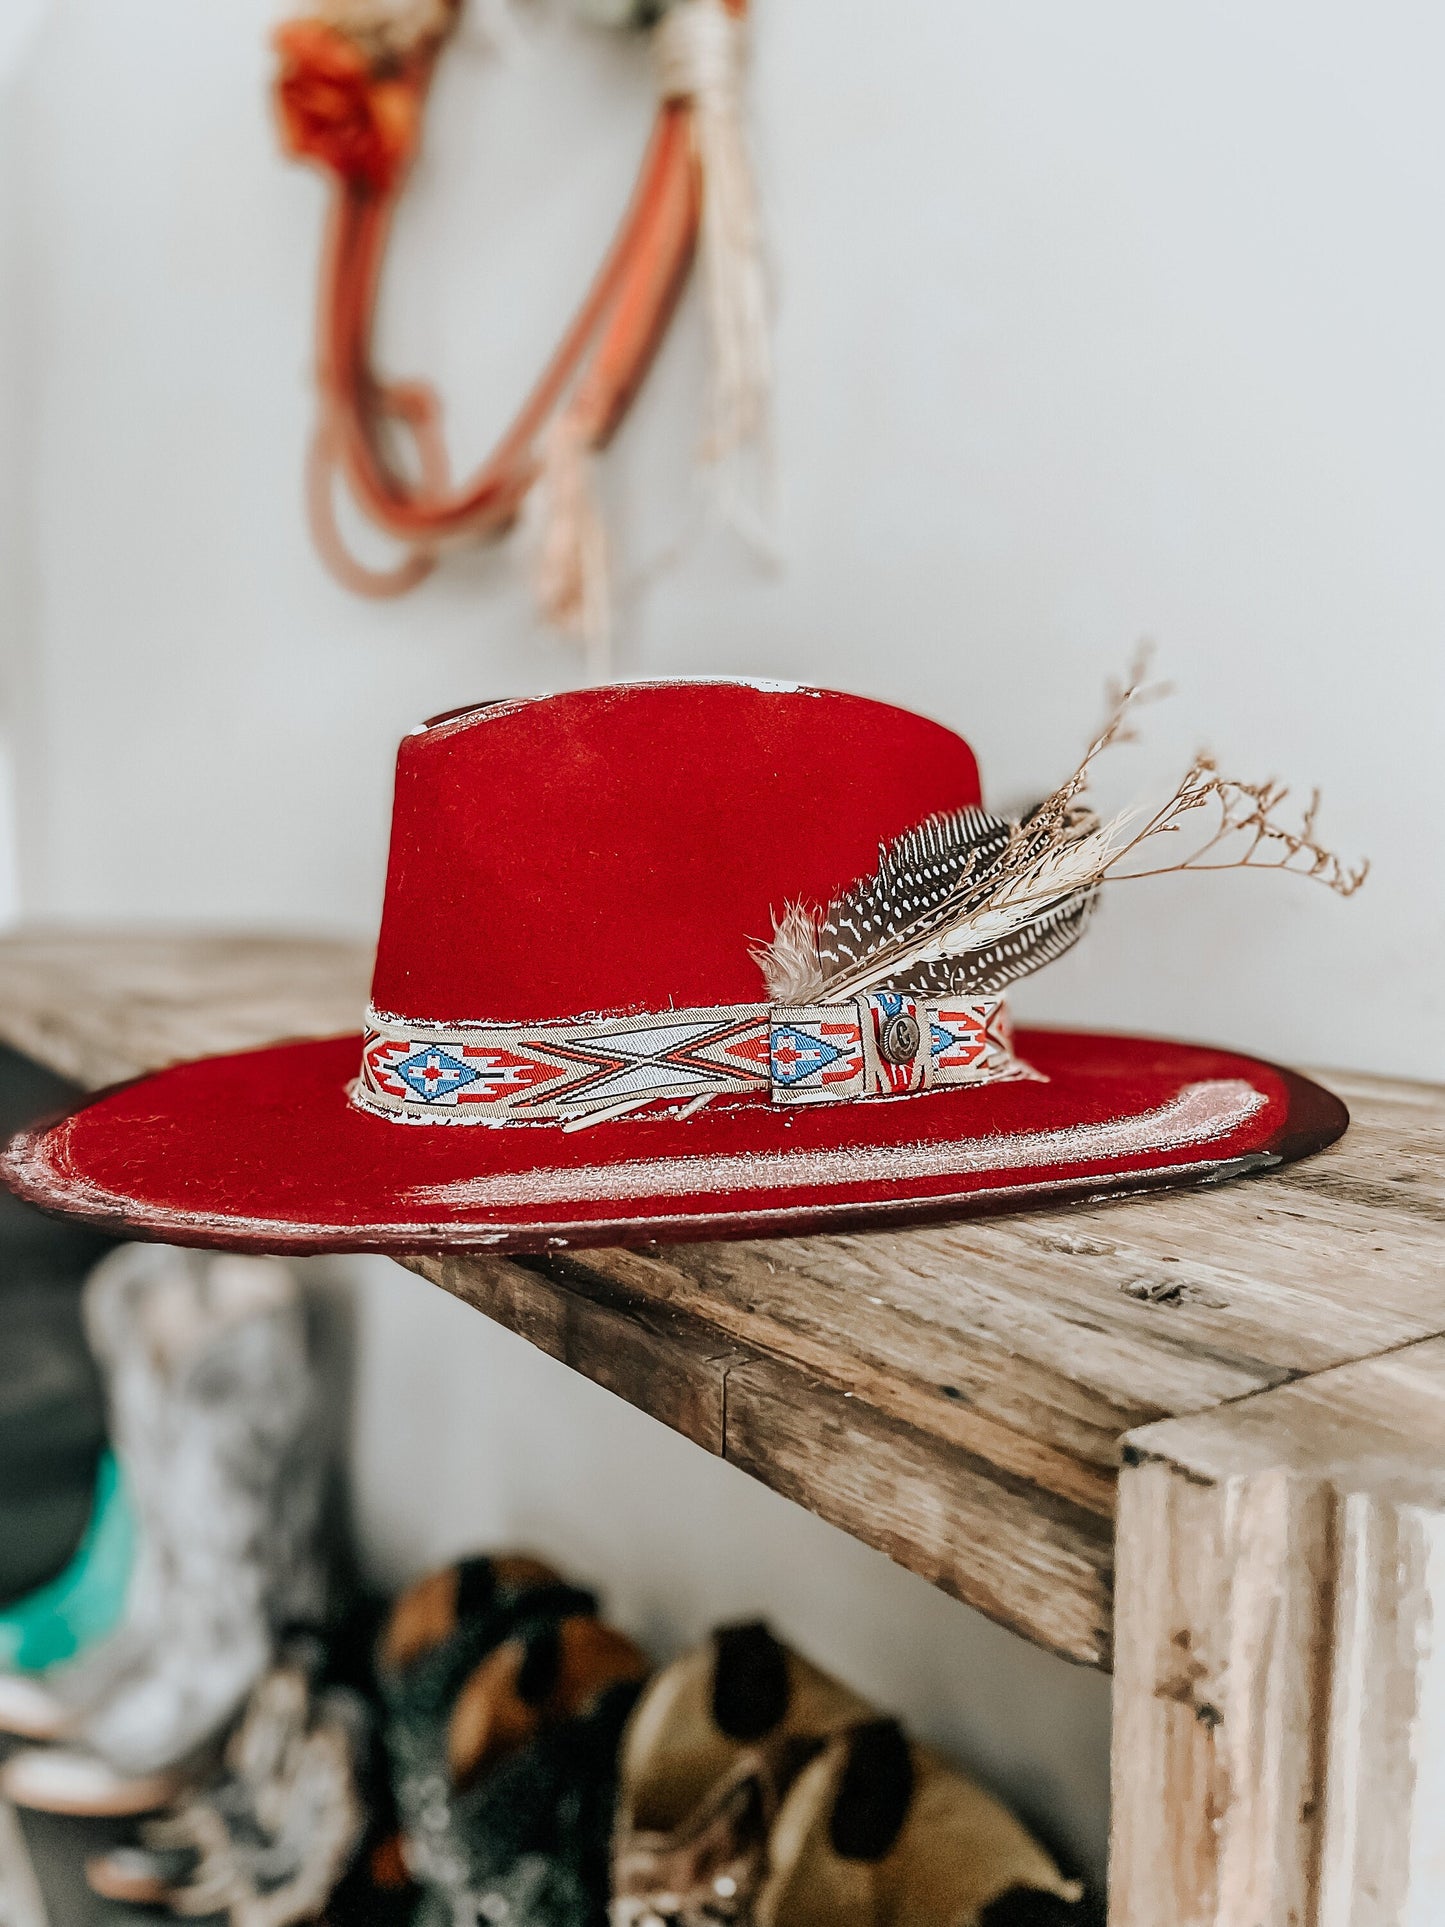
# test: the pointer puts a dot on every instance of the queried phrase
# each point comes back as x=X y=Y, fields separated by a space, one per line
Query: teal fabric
x=85 y=1600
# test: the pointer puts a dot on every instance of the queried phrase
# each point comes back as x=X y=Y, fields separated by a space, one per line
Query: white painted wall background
x=1093 y=322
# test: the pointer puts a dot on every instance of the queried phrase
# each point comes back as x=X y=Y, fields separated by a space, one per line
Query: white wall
x=18 y=22
x=1094 y=323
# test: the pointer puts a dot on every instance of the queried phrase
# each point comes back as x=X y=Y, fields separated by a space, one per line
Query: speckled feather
x=982 y=973
x=917 y=873
x=923 y=878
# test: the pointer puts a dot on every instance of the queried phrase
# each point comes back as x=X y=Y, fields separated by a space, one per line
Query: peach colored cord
x=355 y=105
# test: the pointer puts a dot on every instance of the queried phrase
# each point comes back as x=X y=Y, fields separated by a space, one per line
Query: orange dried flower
x=335 y=108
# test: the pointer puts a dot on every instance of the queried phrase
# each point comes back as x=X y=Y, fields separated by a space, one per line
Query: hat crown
x=616 y=850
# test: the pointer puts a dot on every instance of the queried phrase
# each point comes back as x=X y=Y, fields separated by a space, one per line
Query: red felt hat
x=565 y=984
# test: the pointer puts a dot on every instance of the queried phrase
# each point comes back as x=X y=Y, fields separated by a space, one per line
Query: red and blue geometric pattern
x=793 y=1054
x=972 y=1041
x=559 y=1073
x=816 y=1054
x=434 y=1076
x=959 y=1041
x=576 y=1073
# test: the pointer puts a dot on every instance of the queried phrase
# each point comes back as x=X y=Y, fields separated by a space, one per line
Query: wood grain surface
x=1279 y=1691
x=100 y=1006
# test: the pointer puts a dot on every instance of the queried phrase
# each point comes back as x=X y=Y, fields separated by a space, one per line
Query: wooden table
x=1198 y=1438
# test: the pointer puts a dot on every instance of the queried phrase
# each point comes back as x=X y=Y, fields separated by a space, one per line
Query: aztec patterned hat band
x=882 y=1044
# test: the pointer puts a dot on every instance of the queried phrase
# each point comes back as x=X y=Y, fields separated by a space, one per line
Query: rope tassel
x=701 y=51
x=572 y=565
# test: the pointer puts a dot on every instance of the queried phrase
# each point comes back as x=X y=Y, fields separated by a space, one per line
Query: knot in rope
x=700 y=51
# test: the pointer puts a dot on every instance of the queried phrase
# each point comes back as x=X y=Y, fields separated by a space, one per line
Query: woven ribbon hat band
x=883 y=1044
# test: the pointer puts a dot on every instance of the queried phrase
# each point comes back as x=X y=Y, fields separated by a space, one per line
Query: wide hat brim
x=263 y=1150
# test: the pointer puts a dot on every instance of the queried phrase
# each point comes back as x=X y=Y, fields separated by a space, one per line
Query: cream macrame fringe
x=572 y=563
x=701 y=54
x=700 y=48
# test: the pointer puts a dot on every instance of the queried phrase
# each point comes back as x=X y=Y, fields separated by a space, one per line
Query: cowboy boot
x=268 y=1844
x=211 y=1396
x=531 y=1763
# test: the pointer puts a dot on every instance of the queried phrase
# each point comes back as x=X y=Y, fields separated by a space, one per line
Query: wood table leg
x=1279 y=1674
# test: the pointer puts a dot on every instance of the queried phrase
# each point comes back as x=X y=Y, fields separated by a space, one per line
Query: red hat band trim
x=882 y=1044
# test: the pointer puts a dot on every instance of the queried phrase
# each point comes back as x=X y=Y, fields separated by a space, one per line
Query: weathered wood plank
x=966 y=1386
x=666 y=1364
x=100 y=1006
x=1279 y=1699
x=1026 y=1558
x=1038 y=1341
x=865 y=1334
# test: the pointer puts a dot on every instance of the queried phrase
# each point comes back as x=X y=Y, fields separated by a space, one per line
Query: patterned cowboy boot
x=270 y=1842
x=212 y=1403
x=532 y=1749
x=437 y=1632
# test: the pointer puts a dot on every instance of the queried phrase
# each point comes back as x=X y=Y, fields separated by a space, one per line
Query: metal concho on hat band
x=882 y=1044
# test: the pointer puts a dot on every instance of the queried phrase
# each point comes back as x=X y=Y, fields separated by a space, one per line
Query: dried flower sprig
x=969 y=902
x=1247 y=834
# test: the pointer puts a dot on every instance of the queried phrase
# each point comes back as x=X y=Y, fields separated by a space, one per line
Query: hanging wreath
x=351 y=95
